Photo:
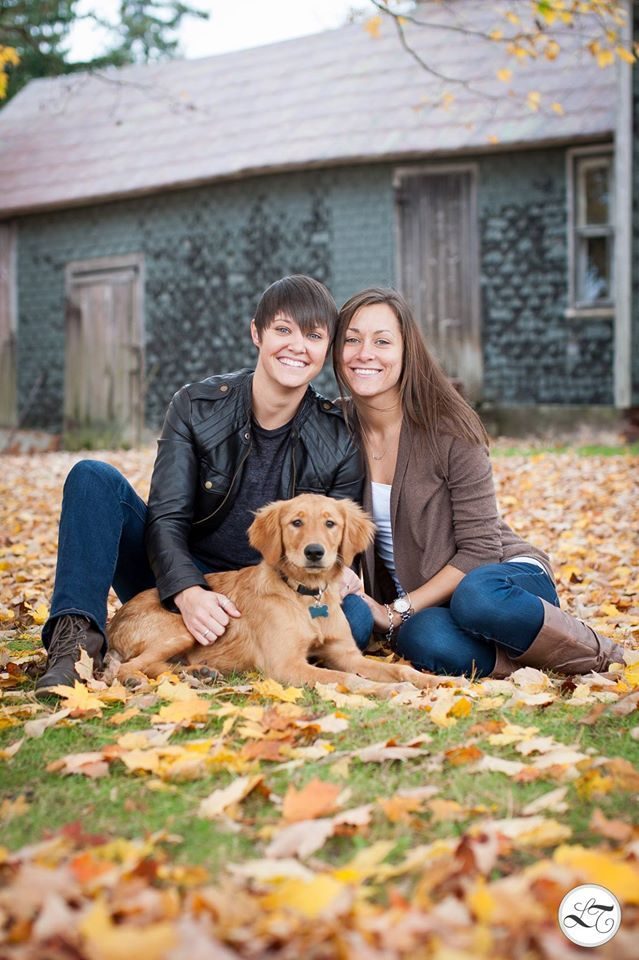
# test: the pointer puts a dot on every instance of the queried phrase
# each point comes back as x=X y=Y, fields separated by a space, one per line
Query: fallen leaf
x=611 y=829
x=316 y=799
x=218 y=802
x=275 y=691
x=35 y=728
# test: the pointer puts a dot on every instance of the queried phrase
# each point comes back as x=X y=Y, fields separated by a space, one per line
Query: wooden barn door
x=439 y=265
x=104 y=351
x=8 y=321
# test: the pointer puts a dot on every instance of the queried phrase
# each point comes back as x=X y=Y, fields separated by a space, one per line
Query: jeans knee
x=84 y=474
x=424 y=641
x=473 y=605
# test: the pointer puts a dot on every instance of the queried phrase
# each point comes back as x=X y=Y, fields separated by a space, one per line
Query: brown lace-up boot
x=71 y=634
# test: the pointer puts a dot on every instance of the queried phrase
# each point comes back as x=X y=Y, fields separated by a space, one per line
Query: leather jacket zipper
x=228 y=492
x=294 y=471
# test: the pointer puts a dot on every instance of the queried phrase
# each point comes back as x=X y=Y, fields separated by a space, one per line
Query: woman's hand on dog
x=350 y=583
x=205 y=614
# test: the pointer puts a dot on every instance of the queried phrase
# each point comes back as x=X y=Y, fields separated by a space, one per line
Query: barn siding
x=210 y=251
x=533 y=353
x=635 y=222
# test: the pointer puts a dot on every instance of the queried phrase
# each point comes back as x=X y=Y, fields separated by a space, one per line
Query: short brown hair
x=429 y=400
x=303 y=299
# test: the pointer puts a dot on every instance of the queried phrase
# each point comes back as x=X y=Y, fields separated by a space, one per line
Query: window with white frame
x=592 y=230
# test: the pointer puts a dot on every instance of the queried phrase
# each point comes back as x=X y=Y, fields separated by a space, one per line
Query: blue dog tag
x=319 y=610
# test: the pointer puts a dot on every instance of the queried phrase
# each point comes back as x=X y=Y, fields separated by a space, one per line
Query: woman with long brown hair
x=454 y=589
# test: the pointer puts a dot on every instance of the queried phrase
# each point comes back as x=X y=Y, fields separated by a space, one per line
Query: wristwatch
x=404 y=607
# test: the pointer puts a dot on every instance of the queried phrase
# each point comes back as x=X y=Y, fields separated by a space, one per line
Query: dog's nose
x=314 y=552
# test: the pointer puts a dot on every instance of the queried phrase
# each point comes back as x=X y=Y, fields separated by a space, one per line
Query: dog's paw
x=203 y=674
x=110 y=666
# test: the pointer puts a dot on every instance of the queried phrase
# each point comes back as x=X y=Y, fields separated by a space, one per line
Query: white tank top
x=381 y=494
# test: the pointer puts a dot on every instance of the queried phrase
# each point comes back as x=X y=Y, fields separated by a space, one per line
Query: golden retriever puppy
x=290 y=606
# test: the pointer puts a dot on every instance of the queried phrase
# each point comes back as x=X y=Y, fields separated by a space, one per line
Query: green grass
x=121 y=804
x=587 y=450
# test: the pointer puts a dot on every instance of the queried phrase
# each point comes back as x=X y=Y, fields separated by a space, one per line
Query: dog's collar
x=317 y=592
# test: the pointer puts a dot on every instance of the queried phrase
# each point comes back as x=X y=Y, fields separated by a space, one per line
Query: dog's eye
x=296 y=523
x=330 y=523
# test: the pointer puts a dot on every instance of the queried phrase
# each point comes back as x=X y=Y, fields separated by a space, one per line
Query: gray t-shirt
x=227 y=548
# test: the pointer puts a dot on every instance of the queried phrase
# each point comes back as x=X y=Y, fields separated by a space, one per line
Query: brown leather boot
x=71 y=634
x=568 y=645
x=504 y=665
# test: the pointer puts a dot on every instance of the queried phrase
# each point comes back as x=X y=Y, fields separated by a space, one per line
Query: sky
x=233 y=25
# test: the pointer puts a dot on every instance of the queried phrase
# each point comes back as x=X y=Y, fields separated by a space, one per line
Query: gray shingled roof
x=331 y=98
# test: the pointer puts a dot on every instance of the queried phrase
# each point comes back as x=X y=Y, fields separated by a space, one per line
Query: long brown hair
x=428 y=399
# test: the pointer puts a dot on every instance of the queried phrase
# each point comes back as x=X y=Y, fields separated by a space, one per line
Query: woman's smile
x=373 y=351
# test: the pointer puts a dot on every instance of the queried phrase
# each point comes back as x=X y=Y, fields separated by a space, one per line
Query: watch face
x=401 y=605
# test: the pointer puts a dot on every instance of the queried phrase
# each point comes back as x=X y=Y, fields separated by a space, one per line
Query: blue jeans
x=497 y=604
x=101 y=544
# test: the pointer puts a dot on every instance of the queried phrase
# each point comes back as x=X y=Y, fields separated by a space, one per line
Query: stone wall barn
x=143 y=210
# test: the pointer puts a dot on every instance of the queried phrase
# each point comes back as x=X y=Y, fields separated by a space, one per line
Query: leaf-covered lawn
x=185 y=821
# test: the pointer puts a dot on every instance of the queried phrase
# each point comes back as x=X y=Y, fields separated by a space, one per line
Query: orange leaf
x=316 y=799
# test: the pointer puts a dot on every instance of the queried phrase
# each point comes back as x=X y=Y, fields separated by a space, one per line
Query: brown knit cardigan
x=443 y=511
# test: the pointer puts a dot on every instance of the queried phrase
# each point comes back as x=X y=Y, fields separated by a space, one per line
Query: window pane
x=593 y=270
x=597 y=195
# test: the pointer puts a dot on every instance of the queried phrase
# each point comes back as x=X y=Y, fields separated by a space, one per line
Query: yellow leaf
x=147 y=760
x=631 y=675
x=533 y=100
x=505 y=75
x=605 y=58
x=373 y=26
x=608 y=610
x=592 y=783
x=496 y=35
x=481 y=901
x=310 y=898
x=512 y=17
x=365 y=864
x=492 y=138
x=624 y=54
x=603 y=868
x=166 y=690
x=109 y=941
x=78 y=699
x=461 y=708
x=40 y=614
x=552 y=50
x=546 y=834
x=557 y=108
x=183 y=711
x=274 y=690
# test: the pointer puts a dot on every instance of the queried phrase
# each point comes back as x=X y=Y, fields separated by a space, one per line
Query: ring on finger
x=205 y=634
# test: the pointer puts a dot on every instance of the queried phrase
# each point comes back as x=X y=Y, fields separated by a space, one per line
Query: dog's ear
x=265 y=533
x=359 y=530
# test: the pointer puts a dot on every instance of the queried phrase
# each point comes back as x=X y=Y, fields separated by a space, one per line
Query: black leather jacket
x=204 y=444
